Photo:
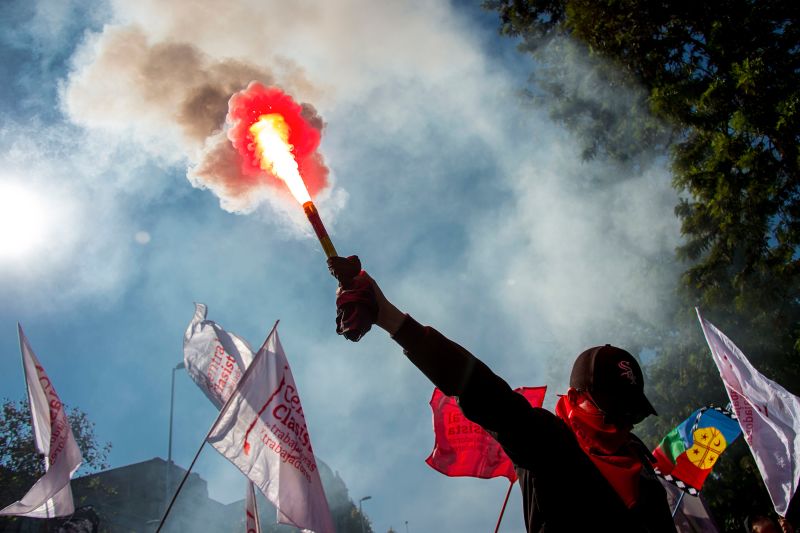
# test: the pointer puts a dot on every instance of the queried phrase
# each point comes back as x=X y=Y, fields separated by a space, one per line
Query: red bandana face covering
x=605 y=444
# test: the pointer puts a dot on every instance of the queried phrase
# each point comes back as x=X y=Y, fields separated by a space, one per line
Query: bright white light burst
x=23 y=221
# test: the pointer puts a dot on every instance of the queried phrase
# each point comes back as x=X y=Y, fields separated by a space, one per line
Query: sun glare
x=22 y=221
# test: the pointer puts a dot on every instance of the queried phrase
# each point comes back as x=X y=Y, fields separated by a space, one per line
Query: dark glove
x=356 y=305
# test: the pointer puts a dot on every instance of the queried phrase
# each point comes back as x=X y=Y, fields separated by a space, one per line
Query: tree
x=349 y=518
x=724 y=78
x=725 y=75
x=20 y=462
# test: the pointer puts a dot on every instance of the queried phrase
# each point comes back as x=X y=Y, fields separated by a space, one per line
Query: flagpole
x=678 y=503
x=503 y=510
x=186 y=475
x=255 y=510
x=211 y=430
x=45 y=458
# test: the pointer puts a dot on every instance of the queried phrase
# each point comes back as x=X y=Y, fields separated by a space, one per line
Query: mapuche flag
x=686 y=455
x=51 y=495
x=462 y=447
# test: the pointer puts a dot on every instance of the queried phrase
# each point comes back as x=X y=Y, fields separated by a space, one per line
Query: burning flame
x=277 y=140
x=271 y=136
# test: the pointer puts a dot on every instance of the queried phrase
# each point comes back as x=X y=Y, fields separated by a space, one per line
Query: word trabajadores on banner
x=262 y=430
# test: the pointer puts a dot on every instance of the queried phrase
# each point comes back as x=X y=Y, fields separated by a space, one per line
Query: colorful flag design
x=690 y=451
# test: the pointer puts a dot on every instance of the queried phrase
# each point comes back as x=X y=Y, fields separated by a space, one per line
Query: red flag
x=462 y=447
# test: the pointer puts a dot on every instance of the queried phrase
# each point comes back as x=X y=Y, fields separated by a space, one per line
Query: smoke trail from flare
x=171 y=99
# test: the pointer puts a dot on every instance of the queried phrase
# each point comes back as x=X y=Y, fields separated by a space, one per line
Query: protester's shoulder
x=541 y=442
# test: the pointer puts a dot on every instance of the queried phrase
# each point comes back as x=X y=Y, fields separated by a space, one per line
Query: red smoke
x=245 y=108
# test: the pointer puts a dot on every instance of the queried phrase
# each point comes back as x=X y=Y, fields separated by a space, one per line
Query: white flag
x=214 y=358
x=51 y=495
x=262 y=430
x=251 y=522
x=768 y=413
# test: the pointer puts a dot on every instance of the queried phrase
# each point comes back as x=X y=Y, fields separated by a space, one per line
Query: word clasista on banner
x=215 y=359
x=262 y=430
x=280 y=426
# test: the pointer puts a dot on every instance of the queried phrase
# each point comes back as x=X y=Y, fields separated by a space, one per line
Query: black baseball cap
x=614 y=379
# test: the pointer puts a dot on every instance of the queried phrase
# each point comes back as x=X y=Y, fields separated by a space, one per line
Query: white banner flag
x=214 y=358
x=51 y=495
x=262 y=430
x=251 y=522
x=768 y=413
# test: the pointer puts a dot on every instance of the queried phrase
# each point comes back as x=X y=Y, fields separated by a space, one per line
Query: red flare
x=245 y=108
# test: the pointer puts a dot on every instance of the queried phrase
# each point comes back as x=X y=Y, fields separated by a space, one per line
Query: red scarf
x=606 y=446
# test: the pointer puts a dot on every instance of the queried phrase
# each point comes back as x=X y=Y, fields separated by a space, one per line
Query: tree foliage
x=723 y=77
x=21 y=463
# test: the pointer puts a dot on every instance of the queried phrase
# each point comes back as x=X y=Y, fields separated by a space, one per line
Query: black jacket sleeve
x=484 y=397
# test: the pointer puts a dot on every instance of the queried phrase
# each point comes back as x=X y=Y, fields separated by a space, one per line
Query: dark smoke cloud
x=205 y=105
x=174 y=91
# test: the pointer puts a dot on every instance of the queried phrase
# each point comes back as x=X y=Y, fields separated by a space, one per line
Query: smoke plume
x=174 y=98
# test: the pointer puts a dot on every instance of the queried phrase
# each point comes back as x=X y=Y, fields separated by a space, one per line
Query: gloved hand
x=356 y=303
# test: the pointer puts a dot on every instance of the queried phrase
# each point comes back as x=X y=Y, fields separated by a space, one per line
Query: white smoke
x=171 y=98
x=476 y=215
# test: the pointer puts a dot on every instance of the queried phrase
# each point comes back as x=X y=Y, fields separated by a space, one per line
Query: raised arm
x=484 y=397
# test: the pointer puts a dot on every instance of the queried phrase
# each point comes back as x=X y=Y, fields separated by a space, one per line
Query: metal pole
x=210 y=431
x=678 y=503
x=168 y=478
x=186 y=475
x=360 y=513
x=503 y=510
x=172 y=408
x=406 y=526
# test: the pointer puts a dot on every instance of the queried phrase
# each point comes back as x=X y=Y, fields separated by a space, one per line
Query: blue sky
x=473 y=212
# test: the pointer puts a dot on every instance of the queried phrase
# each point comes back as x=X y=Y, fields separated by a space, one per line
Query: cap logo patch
x=627 y=371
